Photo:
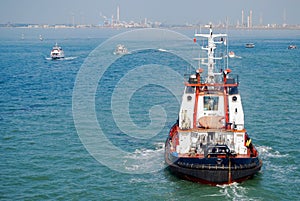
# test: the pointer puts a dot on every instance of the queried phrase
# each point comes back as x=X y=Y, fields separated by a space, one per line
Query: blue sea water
x=44 y=157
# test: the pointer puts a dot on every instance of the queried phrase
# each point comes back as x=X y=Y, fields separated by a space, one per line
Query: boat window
x=190 y=90
x=211 y=102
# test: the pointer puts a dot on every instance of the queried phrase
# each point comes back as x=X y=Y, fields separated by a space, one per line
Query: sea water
x=44 y=156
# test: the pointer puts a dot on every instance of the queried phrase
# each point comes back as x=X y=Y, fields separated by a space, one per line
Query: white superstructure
x=57 y=52
x=211 y=111
x=209 y=143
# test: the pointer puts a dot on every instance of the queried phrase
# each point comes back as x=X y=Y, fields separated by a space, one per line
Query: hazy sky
x=166 y=11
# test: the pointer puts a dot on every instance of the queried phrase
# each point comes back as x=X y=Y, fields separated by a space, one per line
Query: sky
x=165 y=11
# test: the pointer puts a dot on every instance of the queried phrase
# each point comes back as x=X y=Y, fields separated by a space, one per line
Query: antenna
x=226 y=43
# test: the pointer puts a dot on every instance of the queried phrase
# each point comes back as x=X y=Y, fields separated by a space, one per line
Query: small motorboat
x=57 y=52
x=231 y=54
x=290 y=47
x=249 y=45
x=120 y=50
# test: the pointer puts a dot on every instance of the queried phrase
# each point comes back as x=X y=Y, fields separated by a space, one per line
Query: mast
x=210 y=48
x=211 y=82
x=205 y=95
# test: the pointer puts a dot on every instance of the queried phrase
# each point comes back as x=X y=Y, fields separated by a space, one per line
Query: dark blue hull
x=212 y=170
x=56 y=58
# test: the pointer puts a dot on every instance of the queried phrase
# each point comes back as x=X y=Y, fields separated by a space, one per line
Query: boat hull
x=55 y=57
x=214 y=170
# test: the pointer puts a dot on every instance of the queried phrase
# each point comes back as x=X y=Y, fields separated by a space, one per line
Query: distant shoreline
x=221 y=26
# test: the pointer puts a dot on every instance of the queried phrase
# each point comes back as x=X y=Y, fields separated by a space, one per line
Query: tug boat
x=209 y=143
x=57 y=52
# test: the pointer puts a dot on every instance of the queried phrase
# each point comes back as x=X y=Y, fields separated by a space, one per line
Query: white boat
x=231 y=54
x=120 y=49
x=292 y=47
x=250 y=45
x=57 y=52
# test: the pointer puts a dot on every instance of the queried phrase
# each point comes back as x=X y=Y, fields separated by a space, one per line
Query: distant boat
x=57 y=52
x=41 y=37
x=231 y=54
x=250 y=45
x=120 y=49
x=292 y=47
